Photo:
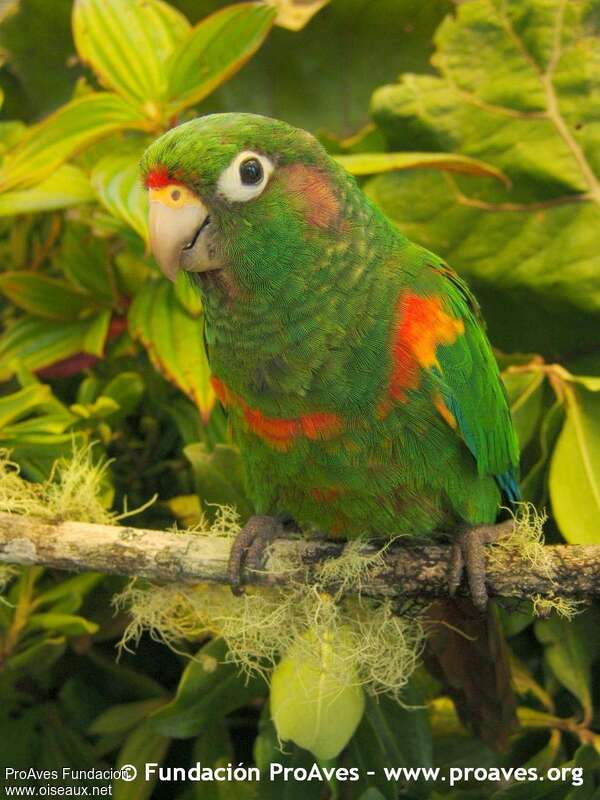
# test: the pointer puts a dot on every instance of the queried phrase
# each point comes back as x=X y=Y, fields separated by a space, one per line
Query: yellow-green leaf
x=216 y=49
x=116 y=180
x=127 y=42
x=68 y=186
x=37 y=343
x=373 y=163
x=142 y=746
x=315 y=699
x=295 y=14
x=174 y=341
x=74 y=126
x=575 y=469
x=44 y=296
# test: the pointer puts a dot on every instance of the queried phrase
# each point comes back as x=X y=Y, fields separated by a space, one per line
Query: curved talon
x=249 y=547
x=468 y=555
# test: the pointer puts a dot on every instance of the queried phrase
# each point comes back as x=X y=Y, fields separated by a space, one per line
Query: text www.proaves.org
x=454 y=775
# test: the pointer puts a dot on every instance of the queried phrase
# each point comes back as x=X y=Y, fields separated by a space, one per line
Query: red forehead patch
x=158 y=178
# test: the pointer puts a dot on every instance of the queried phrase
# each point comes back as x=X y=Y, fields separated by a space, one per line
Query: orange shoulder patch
x=420 y=325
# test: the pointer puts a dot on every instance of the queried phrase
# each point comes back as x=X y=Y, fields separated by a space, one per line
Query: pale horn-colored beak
x=176 y=221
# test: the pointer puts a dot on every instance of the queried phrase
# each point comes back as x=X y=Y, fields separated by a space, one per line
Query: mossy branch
x=406 y=570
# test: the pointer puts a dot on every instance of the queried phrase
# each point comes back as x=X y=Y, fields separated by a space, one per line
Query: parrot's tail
x=467 y=652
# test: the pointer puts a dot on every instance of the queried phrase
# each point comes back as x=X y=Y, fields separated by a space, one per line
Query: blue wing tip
x=510 y=486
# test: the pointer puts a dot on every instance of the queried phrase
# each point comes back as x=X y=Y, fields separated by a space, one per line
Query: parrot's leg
x=468 y=555
x=251 y=542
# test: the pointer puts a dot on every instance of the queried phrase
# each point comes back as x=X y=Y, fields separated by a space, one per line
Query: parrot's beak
x=179 y=225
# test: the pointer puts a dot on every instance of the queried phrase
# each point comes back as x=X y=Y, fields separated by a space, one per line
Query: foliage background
x=96 y=345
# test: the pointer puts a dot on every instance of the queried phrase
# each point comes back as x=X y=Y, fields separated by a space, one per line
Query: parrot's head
x=245 y=195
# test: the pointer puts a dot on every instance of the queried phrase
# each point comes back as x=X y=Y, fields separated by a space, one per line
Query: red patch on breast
x=310 y=190
x=280 y=432
x=420 y=325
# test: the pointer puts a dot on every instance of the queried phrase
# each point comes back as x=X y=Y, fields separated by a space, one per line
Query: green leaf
x=116 y=180
x=38 y=343
x=570 y=648
x=299 y=76
x=371 y=163
x=67 y=624
x=39 y=657
x=575 y=469
x=68 y=186
x=208 y=689
x=268 y=749
x=525 y=395
x=85 y=261
x=44 y=73
x=315 y=701
x=126 y=43
x=215 y=50
x=392 y=735
x=533 y=484
x=531 y=252
x=124 y=716
x=126 y=389
x=74 y=126
x=43 y=296
x=141 y=747
x=174 y=341
x=21 y=403
x=219 y=475
x=76 y=586
x=213 y=747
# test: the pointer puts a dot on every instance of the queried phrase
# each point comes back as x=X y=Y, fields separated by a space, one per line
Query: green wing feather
x=474 y=392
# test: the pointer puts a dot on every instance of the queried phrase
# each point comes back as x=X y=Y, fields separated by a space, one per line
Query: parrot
x=354 y=367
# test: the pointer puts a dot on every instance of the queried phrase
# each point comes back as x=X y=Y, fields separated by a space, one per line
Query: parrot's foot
x=468 y=555
x=251 y=542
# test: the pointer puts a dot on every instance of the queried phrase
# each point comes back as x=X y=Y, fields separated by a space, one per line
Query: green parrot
x=359 y=382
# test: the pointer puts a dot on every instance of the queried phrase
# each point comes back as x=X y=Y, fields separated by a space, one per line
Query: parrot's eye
x=251 y=171
x=245 y=178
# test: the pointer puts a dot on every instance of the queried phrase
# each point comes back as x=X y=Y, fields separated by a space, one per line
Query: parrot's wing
x=474 y=392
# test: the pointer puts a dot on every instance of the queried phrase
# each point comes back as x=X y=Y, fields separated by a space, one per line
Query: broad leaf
x=116 y=179
x=126 y=43
x=45 y=297
x=208 y=689
x=525 y=394
x=517 y=89
x=570 y=648
x=321 y=78
x=372 y=163
x=38 y=343
x=22 y=403
x=124 y=716
x=174 y=341
x=66 y=187
x=316 y=701
x=85 y=261
x=74 y=126
x=141 y=747
x=295 y=14
x=390 y=735
x=217 y=47
x=267 y=750
x=219 y=477
x=575 y=469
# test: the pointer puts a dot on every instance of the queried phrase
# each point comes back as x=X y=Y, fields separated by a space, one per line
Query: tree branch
x=165 y=556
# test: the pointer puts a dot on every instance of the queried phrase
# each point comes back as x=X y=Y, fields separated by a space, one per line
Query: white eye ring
x=230 y=183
